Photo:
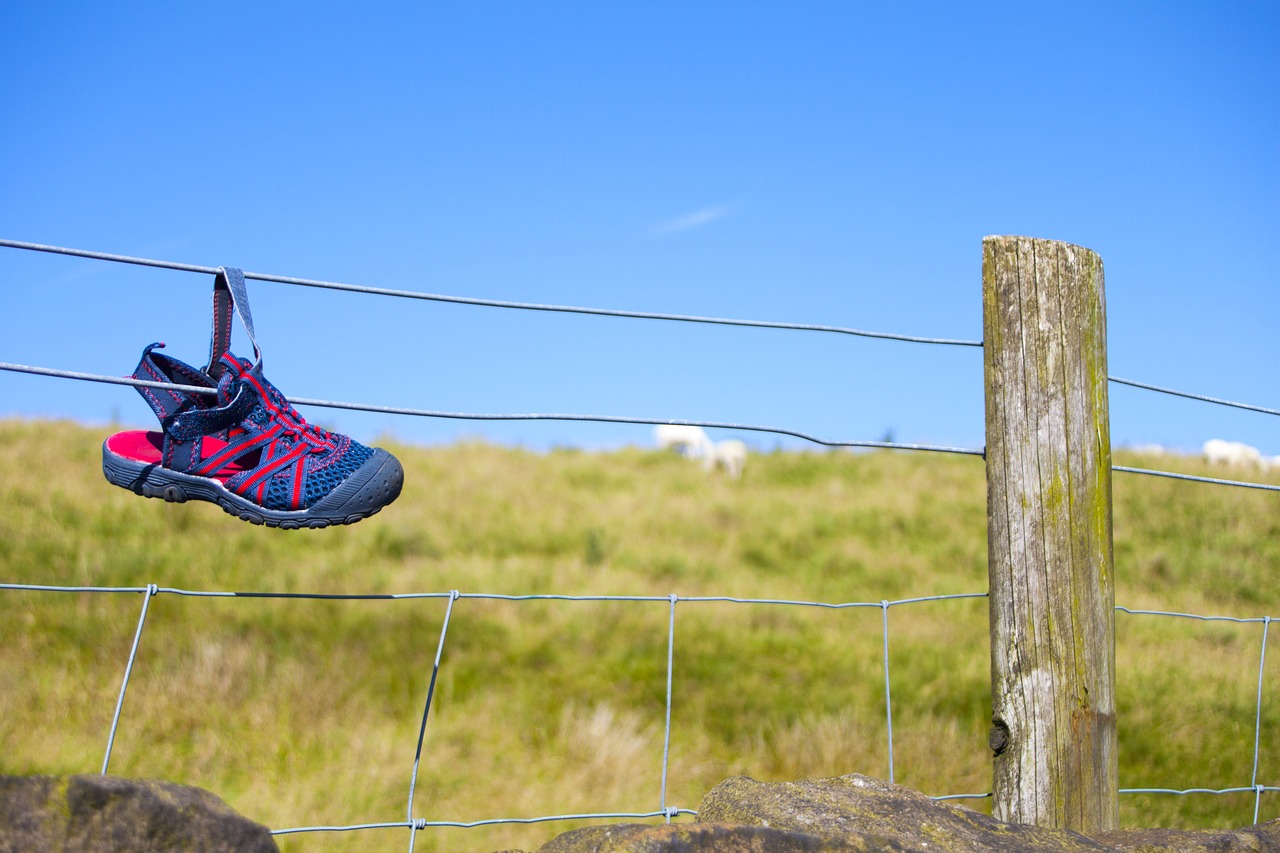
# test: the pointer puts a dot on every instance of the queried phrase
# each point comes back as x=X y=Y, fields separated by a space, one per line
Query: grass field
x=301 y=712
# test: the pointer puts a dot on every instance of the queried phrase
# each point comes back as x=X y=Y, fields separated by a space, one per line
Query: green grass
x=302 y=712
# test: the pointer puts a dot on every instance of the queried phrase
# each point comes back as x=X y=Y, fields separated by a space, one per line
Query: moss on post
x=1049 y=535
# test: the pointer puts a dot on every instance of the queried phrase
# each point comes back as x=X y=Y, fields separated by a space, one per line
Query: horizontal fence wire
x=497 y=303
x=616 y=419
x=415 y=824
x=418 y=824
x=570 y=417
x=533 y=416
x=1201 y=397
x=577 y=309
x=1174 y=475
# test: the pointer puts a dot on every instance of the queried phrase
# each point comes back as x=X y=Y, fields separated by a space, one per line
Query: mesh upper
x=322 y=471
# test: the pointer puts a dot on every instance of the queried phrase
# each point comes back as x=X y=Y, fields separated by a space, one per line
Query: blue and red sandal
x=241 y=444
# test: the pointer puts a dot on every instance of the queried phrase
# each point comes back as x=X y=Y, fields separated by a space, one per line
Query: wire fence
x=594 y=418
x=660 y=808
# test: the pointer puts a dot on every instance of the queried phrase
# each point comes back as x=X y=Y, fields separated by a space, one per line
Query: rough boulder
x=858 y=813
x=106 y=814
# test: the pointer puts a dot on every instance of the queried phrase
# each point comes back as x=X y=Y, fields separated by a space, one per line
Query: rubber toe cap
x=372 y=486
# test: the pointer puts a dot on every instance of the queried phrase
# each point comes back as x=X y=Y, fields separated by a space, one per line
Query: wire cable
x=667 y=812
x=494 y=416
x=1201 y=397
x=1245 y=484
x=495 y=303
x=577 y=309
x=609 y=419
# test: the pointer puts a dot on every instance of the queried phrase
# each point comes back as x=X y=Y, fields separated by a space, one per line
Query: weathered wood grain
x=1048 y=453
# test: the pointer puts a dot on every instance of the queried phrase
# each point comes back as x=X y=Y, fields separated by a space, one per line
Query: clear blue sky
x=833 y=163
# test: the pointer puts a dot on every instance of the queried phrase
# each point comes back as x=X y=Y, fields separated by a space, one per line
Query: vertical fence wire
x=666 y=734
x=415 y=824
x=888 y=702
x=422 y=729
x=1257 y=721
x=667 y=812
x=128 y=670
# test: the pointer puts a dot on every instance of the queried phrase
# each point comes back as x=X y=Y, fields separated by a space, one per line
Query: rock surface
x=860 y=805
x=858 y=813
x=107 y=814
x=709 y=838
x=1249 y=839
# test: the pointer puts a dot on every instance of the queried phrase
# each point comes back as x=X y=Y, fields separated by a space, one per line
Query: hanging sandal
x=241 y=444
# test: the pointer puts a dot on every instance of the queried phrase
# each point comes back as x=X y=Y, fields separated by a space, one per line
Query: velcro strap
x=197 y=423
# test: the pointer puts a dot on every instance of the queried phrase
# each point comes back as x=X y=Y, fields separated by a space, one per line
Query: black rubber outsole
x=375 y=485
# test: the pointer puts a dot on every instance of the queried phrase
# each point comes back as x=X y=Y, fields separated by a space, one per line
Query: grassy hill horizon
x=305 y=711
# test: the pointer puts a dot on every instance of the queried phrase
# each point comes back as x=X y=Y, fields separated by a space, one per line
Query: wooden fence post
x=1049 y=535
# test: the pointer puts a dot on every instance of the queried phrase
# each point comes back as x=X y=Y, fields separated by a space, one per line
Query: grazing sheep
x=691 y=441
x=1149 y=450
x=1234 y=453
x=730 y=455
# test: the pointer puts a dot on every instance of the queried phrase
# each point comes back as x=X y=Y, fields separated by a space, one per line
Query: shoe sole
x=372 y=486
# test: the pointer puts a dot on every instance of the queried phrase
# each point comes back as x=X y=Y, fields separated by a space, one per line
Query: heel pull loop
x=229 y=292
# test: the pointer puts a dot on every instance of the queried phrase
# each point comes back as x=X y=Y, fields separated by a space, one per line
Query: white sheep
x=730 y=455
x=1149 y=450
x=1219 y=452
x=691 y=441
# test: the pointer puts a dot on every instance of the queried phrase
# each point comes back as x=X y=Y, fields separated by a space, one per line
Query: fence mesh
x=419 y=817
x=1247 y=779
